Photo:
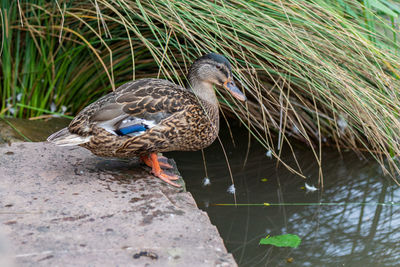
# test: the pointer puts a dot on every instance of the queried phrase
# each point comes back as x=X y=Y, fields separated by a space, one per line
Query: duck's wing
x=133 y=108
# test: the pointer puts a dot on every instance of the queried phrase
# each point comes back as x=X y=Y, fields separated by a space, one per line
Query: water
x=350 y=234
x=12 y=129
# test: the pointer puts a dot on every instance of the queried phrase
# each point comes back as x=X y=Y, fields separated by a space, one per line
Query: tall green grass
x=323 y=72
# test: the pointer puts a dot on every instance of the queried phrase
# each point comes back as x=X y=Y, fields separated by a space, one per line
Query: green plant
x=319 y=71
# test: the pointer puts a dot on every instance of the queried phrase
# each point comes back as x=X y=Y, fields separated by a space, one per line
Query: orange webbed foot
x=153 y=162
x=168 y=178
x=162 y=161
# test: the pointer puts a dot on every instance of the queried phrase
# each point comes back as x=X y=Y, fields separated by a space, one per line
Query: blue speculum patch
x=131 y=129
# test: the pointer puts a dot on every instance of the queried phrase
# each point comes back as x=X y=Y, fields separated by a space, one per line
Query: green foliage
x=287 y=240
x=317 y=70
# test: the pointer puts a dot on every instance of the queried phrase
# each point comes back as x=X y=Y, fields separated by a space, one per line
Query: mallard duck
x=147 y=116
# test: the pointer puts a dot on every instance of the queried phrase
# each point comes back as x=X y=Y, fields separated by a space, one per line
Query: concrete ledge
x=64 y=206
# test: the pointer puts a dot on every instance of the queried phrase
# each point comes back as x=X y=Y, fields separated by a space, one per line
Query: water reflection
x=14 y=129
x=338 y=235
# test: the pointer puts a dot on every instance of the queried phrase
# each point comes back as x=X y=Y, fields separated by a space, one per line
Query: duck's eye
x=218 y=67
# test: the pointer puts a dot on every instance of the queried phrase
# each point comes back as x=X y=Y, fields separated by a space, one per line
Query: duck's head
x=212 y=69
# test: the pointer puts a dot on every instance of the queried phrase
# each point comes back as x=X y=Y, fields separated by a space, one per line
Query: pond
x=351 y=228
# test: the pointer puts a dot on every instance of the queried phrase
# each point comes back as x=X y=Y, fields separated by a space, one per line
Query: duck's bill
x=232 y=88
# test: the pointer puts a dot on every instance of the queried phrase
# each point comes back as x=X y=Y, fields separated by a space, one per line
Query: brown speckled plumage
x=190 y=123
x=172 y=117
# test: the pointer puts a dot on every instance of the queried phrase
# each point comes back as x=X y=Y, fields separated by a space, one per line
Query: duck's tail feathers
x=65 y=138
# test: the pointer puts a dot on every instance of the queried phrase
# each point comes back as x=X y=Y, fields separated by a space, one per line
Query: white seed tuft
x=206 y=181
x=231 y=189
x=310 y=188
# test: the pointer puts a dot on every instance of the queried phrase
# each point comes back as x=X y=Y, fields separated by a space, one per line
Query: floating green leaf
x=287 y=240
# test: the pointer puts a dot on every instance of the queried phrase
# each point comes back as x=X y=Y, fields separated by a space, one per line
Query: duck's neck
x=203 y=90
x=206 y=93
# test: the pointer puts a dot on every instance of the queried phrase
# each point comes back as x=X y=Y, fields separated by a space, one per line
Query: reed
x=323 y=72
